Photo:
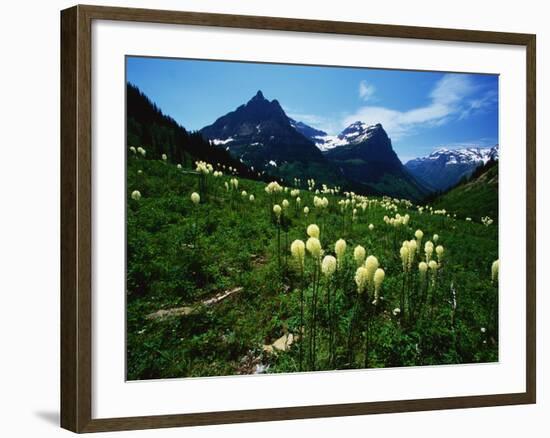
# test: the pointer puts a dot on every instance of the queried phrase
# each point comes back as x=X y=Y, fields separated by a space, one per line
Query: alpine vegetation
x=293 y=295
x=257 y=244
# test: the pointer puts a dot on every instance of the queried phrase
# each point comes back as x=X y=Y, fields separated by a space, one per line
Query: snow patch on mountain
x=356 y=133
x=218 y=141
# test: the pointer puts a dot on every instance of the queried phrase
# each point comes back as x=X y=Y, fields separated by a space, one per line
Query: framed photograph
x=269 y=219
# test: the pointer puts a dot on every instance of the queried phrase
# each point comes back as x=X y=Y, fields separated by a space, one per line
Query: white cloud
x=452 y=88
x=448 y=100
x=480 y=104
x=366 y=91
x=483 y=142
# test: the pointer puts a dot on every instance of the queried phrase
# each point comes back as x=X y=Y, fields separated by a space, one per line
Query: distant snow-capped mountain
x=476 y=155
x=355 y=133
x=445 y=167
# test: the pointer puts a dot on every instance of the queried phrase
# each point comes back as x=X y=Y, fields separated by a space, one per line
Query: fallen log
x=187 y=310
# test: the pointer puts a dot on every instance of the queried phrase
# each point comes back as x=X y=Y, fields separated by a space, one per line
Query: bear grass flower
x=195 y=198
x=371 y=264
x=298 y=251
x=419 y=234
x=439 y=250
x=244 y=194
x=379 y=276
x=136 y=195
x=141 y=151
x=328 y=265
x=133 y=150
x=313 y=231
x=251 y=198
x=422 y=269
x=340 y=250
x=273 y=187
x=164 y=157
x=494 y=271
x=285 y=204
x=404 y=254
x=433 y=270
x=435 y=238
x=428 y=249
x=371 y=227
x=361 y=279
x=306 y=211
x=313 y=245
x=277 y=210
x=359 y=254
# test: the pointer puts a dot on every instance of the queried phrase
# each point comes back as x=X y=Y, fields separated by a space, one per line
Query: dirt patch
x=258 y=260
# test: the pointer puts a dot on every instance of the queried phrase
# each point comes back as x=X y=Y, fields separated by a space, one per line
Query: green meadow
x=214 y=289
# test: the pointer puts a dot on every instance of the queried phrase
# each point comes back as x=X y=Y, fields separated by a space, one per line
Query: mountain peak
x=356 y=133
x=258 y=96
x=365 y=155
x=259 y=133
x=360 y=126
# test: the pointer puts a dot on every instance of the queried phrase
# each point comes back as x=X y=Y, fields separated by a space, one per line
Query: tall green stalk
x=315 y=309
x=352 y=329
x=279 y=246
x=301 y=330
x=330 y=318
x=402 y=298
x=312 y=318
x=367 y=342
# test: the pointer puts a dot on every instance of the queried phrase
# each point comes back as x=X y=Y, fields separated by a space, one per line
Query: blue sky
x=421 y=111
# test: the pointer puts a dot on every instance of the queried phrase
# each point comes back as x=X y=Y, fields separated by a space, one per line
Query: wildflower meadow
x=227 y=275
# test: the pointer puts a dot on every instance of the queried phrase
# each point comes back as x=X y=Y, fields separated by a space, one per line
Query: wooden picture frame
x=76 y=217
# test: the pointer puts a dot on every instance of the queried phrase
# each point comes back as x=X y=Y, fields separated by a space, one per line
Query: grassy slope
x=475 y=198
x=179 y=254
